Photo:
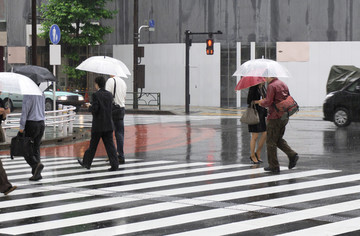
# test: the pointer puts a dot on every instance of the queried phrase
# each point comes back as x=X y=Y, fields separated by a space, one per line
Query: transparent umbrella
x=262 y=68
x=104 y=65
x=19 y=84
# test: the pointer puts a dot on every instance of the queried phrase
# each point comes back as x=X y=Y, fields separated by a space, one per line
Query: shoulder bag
x=118 y=112
x=287 y=107
x=250 y=116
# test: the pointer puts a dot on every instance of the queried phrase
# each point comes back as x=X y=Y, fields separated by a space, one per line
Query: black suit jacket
x=101 y=109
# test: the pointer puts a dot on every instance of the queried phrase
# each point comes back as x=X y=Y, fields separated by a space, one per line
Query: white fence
x=63 y=119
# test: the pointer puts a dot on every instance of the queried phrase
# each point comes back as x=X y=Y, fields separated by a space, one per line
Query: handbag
x=21 y=146
x=287 y=107
x=250 y=116
x=118 y=112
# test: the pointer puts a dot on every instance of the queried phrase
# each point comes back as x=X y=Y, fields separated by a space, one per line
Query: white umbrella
x=262 y=68
x=104 y=65
x=44 y=85
x=19 y=84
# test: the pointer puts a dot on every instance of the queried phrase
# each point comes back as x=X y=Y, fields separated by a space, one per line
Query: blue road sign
x=55 y=34
x=152 y=23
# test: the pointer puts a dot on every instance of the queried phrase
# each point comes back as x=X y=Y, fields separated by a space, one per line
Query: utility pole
x=136 y=44
x=34 y=35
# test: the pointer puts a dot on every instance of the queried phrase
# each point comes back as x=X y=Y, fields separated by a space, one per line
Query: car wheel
x=9 y=104
x=48 y=105
x=342 y=117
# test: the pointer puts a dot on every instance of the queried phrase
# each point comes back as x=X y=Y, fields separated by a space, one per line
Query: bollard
x=61 y=125
x=71 y=122
x=64 y=119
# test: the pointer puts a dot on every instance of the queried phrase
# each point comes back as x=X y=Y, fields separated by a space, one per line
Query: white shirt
x=121 y=88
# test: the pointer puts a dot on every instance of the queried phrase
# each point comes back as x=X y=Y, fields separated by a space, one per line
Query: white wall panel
x=165 y=72
x=308 y=82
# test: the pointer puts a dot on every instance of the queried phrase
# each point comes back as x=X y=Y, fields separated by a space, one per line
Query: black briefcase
x=21 y=146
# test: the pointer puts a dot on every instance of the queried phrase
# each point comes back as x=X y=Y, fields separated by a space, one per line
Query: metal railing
x=145 y=99
x=63 y=119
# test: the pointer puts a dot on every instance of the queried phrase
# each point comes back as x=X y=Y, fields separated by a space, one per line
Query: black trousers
x=35 y=130
x=119 y=135
x=4 y=182
x=108 y=141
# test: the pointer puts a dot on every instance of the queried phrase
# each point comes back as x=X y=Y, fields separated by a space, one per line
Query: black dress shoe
x=293 y=161
x=272 y=170
x=121 y=160
x=82 y=164
x=37 y=173
x=113 y=169
x=9 y=190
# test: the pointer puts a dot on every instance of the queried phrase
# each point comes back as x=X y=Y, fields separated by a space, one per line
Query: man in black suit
x=102 y=126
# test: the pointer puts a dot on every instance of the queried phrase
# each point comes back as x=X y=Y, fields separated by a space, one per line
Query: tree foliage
x=78 y=21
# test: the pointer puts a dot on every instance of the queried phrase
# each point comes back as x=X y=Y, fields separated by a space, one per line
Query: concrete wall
x=165 y=72
x=239 y=20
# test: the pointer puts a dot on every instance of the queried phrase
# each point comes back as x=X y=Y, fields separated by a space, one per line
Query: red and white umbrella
x=249 y=81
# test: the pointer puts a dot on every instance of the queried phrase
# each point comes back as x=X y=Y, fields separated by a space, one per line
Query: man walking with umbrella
x=102 y=126
x=277 y=91
x=32 y=123
x=117 y=87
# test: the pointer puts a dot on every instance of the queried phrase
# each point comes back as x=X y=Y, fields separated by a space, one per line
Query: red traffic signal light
x=209 y=46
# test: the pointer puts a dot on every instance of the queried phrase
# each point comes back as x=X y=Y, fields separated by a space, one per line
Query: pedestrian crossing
x=164 y=197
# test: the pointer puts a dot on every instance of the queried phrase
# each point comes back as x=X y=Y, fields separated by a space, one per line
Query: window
x=355 y=87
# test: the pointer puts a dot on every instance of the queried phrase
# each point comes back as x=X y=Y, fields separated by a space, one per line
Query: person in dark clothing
x=256 y=93
x=277 y=91
x=5 y=185
x=102 y=126
x=3 y=112
x=32 y=123
x=117 y=87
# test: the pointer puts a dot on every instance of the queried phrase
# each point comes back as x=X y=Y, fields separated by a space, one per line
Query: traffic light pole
x=187 y=65
x=187 y=72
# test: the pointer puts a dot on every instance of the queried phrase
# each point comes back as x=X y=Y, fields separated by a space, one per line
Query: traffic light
x=209 y=46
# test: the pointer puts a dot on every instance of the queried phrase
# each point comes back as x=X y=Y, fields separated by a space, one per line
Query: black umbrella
x=37 y=73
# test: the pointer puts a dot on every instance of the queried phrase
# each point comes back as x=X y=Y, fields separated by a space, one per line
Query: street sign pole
x=55 y=55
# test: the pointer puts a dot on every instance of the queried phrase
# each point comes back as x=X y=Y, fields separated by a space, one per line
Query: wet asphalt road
x=320 y=144
x=193 y=167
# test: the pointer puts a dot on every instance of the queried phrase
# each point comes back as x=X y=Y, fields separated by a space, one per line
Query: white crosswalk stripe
x=176 y=198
